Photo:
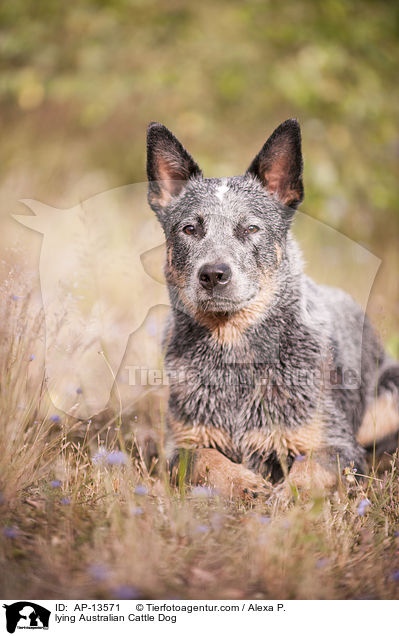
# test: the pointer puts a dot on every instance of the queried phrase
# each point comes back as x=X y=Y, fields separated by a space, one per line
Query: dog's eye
x=189 y=229
x=252 y=229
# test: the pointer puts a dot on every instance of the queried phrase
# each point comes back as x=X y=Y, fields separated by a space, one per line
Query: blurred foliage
x=80 y=81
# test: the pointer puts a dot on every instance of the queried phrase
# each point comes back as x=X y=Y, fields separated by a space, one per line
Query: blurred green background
x=80 y=81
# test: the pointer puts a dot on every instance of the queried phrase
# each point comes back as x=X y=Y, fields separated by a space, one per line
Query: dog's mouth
x=223 y=305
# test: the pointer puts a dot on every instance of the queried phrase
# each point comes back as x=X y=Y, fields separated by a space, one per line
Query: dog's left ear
x=169 y=166
x=279 y=164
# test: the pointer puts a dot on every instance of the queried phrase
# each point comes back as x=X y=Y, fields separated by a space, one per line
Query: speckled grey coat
x=266 y=365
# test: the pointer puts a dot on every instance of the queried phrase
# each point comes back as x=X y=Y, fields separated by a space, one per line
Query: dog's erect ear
x=169 y=166
x=279 y=164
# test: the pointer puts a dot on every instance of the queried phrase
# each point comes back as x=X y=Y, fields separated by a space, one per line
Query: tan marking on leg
x=381 y=419
x=255 y=441
x=213 y=469
x=201 y=436
x=315 y=473
x=305 y=439
x=300 y=440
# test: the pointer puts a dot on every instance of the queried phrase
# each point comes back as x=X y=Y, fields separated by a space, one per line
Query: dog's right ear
x=169 y=166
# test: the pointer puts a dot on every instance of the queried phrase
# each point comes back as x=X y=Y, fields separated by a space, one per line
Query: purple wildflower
x=362 y=507
x=100 y=457
x=55 y=418
x=98 y=571
x=201 y=528
x=300 y=458
x=31 y=357
x=136 y=510
x=140 y=490
x=79 y=390
x=65 y=501
x=10 y=532
x=321 y=563
x=55 y=483
x=116 y=458
x=125 y=592
x=395 y=576
x=264 y=519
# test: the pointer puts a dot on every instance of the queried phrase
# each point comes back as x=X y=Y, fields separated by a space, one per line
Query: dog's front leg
x=209 y=467
x=320 y=471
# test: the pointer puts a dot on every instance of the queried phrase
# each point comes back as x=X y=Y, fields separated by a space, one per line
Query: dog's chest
x=213 y=392
x=234 y=391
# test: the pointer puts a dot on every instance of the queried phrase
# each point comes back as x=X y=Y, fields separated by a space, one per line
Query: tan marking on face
x=381 y=419
x=172 y=275
x=228 y=329
x=191 y=308
x=201 y=436
x=302 y=440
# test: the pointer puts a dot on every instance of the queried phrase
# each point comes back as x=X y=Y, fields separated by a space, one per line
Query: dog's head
x=226 y=238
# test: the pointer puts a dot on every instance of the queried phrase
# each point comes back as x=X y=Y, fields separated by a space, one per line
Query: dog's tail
x=379 y=431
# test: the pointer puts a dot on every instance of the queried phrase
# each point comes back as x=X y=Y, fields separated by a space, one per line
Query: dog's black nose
x=210 y=276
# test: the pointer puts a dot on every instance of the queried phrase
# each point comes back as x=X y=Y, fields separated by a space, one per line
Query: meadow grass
x=80 y=83
x=82 y=515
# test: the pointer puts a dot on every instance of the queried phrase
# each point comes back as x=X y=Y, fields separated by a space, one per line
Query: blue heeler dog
x=271 y=375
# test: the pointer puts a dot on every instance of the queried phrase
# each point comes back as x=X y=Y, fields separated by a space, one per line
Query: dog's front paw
x=316 y=475
x=227 y=478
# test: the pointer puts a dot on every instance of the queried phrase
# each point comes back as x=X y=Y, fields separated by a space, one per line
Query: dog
x=255 y=350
